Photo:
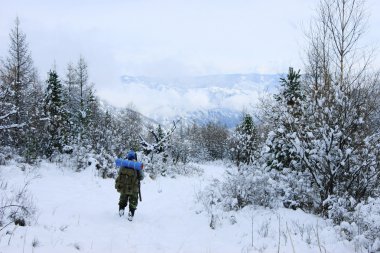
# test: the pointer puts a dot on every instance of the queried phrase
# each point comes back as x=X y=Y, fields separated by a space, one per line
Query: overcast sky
x=166 y=37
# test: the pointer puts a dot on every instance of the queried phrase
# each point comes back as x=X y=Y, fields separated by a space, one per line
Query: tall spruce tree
x=283 y=120
x=245 y=141
x=54 y=107
x=291 y=88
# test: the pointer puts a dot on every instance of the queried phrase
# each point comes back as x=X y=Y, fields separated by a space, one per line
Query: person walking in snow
x=128 y=185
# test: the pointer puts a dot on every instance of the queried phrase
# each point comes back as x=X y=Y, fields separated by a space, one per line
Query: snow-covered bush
x=239 y=188
x=106 y=166
x=367 y=218
x=6 y=154
x=67 y=149
x=185 y=169
x=251 y=185
x=360 y=224
x=295 y=189
x=156 y=155
x=339 y=208
x=154 y=164
x=81 y=154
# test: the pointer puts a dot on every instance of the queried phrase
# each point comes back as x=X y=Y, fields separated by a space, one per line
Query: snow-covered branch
x=8 y=114
x=12 y=126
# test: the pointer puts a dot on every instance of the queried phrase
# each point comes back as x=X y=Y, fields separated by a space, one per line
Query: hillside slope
x=78 y=212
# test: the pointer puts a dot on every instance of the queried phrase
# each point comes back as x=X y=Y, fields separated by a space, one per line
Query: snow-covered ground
x=78 y=212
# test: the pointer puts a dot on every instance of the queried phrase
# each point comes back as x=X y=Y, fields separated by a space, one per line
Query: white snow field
x=78 y=212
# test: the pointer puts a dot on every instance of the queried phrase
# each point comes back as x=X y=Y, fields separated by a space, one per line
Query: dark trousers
x=131 y=198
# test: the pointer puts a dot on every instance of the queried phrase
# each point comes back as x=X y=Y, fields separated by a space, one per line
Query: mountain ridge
x=200 y=99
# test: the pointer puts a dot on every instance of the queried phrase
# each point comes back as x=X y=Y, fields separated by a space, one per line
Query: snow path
x=78 y=212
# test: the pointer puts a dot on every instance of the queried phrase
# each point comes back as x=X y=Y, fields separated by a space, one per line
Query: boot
x=131 y=213
x=121 y=211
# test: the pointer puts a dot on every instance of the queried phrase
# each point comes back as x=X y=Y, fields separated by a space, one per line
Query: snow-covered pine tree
x=244 y=141
x=57 y=116
x=291 y=88
x=283 y=118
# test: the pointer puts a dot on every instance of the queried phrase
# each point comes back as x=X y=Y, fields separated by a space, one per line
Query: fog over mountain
x=219 y=98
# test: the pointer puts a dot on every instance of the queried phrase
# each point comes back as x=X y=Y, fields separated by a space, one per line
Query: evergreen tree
x=245 y=141
x=291 y=88
x=284 y=120
x=57 y=115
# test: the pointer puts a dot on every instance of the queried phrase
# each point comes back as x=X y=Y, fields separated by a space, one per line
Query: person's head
x=131 y=155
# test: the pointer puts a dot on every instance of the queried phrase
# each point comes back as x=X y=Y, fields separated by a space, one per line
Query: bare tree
x=214 y=137
x=156 y=154
x=18 y=80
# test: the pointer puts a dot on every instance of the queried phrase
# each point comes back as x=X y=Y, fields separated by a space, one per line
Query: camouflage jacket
x=128 y=180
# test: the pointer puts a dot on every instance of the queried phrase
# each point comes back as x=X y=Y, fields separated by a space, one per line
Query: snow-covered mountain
x=219 y=98
x=105 y=106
